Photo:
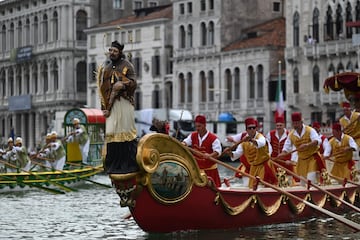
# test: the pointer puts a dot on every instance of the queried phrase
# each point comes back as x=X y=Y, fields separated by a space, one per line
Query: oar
x=344 y=180
x=74 y=175
x=318 y=188
x=339 y=218
x=52 y=190
x=244 y=139
x=67 y=189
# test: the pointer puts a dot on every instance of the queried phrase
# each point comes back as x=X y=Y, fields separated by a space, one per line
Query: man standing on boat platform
x=341 y=150
x=350 y=123
x=80 y=136
x=255 y=148
x=306 y=141
x=117 y=85
x=208 y=143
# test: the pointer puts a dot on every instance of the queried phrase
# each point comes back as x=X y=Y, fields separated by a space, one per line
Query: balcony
x=339 y=47
x=313 y=99
x=332 y=98
x=293 y=100
x=293 y=54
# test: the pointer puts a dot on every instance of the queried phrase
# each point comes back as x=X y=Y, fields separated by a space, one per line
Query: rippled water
x=94 y=213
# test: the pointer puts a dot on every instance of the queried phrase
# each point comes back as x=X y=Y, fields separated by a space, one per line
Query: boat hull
x=27 y=180
x=170 y=193
x=208 y=208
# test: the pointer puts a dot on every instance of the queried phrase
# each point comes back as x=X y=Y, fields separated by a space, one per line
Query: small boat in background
x=54 y=181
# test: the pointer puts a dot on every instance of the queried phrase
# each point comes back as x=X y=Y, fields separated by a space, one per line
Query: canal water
x=93 y=212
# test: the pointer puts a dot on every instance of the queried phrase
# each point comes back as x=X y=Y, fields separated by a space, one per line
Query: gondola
x=170 y=193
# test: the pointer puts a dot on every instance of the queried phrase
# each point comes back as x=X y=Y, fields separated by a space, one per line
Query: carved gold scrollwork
x=150 y=159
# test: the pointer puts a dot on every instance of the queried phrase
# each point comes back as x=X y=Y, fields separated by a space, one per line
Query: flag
x=279 y=98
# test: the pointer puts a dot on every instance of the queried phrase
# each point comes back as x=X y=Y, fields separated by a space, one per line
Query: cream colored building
x=318 y=45
x=42 y=64
x=148 y=38
x=226 y=56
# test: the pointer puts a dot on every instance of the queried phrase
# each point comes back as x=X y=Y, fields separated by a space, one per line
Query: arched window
x=315 y=29
x=19 y=34
x=349 y=67
x=203 y=34
x=81 y=24
x=211 y=86
x=138 y=98
x=296 y=29
x=260 y=81
x=44 y=77
x=27 y=79
x=81 y=84
x=27 y=31
x=228 y=84
x=251 y=77
x=35 y=78
x=203 y=87
x=45 y=32
x=340 y=68
x=189 y=88
x=190 y=36
x=2 y=83
x=237 y=83
x=55 y=26
x=329 y=25
x=339 y=21
x=11 y=33
x=55 y=74
x=211 y=33
x=11 y=82
x=348 y=19
x=296 y=80
x=331 y=69
x=316 y=78
x=3 y=38
x=156 y=97
x=18 y=82
x=182 y=37
x=357 y=14
x=36 y=30
x=181 y=88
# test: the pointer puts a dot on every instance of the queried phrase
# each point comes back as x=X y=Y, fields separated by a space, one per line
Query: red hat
x=316 y=125
x=279 y=119
x=336 y=126
x=200 y=119
x=296 y=116
x=251 y=122
x=345 y=105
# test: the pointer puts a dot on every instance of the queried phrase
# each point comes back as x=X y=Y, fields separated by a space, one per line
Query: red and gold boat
x=170 y=193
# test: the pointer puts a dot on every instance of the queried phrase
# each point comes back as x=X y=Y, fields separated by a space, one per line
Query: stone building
x=226 y=57
x=319 y=44
x=42 y=64
x=147 y=36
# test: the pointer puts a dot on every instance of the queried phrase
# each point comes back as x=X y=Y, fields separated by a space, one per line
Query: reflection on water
x=94 y=213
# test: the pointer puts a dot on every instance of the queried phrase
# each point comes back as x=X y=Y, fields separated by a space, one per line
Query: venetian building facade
x=147 y=37
x=42 y=64
x=226 y=57
x=318 y=45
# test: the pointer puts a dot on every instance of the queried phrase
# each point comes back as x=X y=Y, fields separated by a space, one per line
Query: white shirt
x=352 y=144
x=289 y=146
x=216 y=145
x=261 y=141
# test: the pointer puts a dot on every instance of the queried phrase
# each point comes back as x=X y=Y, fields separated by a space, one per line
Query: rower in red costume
x=209 y=145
